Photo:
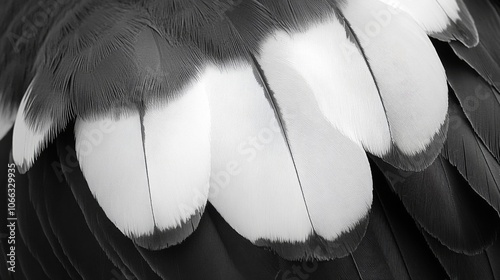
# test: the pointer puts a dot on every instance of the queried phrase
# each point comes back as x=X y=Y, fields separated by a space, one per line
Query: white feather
x=112 y=160
x=254 y=184
x=408 y=71
x=7 y=118
x=326 y=159
x=335 y=71
x=178 y=154
x=159 y=182
x=28 y=141
x=433 y=15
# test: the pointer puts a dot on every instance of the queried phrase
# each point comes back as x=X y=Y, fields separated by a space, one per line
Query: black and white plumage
x=252 y=139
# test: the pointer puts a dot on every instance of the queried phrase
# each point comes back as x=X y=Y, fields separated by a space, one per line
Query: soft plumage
x=253 y=139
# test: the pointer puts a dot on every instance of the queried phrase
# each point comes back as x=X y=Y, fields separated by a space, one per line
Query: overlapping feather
x=479 y=100
x=76 y=63
x=485 y=57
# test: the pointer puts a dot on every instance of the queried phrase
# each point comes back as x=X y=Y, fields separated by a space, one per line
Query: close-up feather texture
x=250 y=139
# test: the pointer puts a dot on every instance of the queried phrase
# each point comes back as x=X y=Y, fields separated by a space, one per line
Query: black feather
x=69 y=226
x=251 y=261
x=369 y=257
x=4 y=273
x=393 y=248
x=479 y=100
x=28 y=266
x=34 y=234
x=204 y=247
x=459 y=266
x=444 y=204
x=493 y=255
x=5 y=145
x=340 y=269
x=404 y=248
x=485 y=57
x=473 y=160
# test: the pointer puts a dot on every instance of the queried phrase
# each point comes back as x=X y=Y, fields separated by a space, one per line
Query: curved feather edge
x=316 y=246
x=63 y=86
x=29 y=267
x=459 y=266
x=205 y=248
x=268 y=178
x=6 y=121
x=33 y=133
x=420 y=158
x=462 y=29
x=443 y=20
x=485 y=57
x=37 y=194
x=106 y=233
x=290 y=150
x=35 y=236
x=442 y=202
x=131 y=58
x=317 y=17
x=18 y=51
x=27 y=141
x=162 y=177
x=68 y=224
x=373 y=258
x=479 y=100
x=404 y=248
x=392 y=248
x=472 y=158
x=395 y=156
x=493 y=255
